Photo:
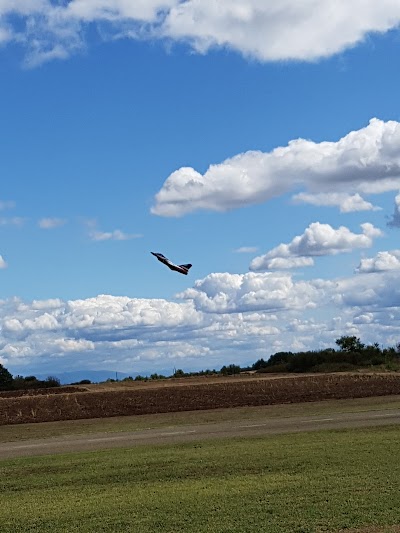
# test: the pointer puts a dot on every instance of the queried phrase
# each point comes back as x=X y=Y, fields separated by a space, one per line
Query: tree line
x=350 y=355
x=8 y=382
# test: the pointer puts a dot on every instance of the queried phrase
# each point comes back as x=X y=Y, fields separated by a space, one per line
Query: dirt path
x=242 y=428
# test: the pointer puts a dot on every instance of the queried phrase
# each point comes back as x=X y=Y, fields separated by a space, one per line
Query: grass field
x=308 y=482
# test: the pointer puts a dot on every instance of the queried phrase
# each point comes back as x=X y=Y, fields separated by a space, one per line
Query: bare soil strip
x=196 y=396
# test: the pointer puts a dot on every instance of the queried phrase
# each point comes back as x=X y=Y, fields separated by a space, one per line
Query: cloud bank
x=223 y=318
x=366 y=161
x=307 y=31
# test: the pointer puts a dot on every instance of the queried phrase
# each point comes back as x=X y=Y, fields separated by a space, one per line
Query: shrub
x=6 y=379
x=51 y=381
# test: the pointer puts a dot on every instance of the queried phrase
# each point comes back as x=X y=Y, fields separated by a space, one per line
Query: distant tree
x=51 y=381
x=350 y=344
x=207 y=372
x=280 y=358
x=82 y=382
x=305 y=361
x=157 y=376
x=230 y=370
x=259 y=364
x=6 y=379
x=179 y=373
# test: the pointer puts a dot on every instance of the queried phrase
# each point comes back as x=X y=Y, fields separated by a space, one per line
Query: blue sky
x=261 y=146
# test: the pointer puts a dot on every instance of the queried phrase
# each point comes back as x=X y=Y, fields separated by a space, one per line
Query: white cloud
x=23 y=7
x=246 y=250
x=376 y=291
x=394 y=222
x=12 y=221
x=382 y=262
x=50 y=223
x=43 y=330
x=305 y=30
x=6 y=205
x=38 y=305
x=5 y=34
x=228 y=293
x=117 y=10
x=364 y=161
x=73 y=345
x=366 y=318
x=45 y=322
x=116 y=235
x=263 y=262
x=317 y=240
x=347 y=203
x=292 y=30
x=3 y=264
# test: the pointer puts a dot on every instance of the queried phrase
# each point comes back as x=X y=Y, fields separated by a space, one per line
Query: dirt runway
x=263 y=426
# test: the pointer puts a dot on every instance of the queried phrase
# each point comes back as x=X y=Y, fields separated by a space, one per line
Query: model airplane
x=183 y=269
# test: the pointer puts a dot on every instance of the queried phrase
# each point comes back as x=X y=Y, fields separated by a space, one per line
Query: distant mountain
x=95 y=376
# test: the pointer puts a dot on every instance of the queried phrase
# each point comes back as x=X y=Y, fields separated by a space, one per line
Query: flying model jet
x=183 y=269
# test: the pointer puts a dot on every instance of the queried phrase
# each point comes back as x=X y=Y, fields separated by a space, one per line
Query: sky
x=259 y=143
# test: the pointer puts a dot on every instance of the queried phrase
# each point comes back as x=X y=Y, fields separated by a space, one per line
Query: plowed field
x=203 y=394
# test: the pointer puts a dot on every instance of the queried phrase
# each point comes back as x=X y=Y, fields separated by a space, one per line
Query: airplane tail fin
x=186 y=266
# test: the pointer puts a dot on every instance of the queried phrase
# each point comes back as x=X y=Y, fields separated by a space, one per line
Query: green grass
x=308 y=482
x=21 y=432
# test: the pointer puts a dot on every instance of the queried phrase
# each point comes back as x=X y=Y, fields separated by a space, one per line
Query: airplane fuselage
x=182 y=269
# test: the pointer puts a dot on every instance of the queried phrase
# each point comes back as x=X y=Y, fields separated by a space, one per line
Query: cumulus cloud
x=3 y=264
x=228 y=293
x=73 y=345
x=317 y=240
x=347 y=203
x=293 y=31
x=366 y=161
x=55 y=326
x=50 y=223
x=394 y=222
x=379 y=290
x=306 y=30
x=382 y=262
